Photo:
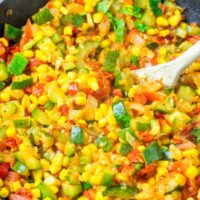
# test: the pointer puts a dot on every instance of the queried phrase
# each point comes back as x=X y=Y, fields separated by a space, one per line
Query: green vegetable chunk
x=22 y=123
x=20 y=168
x=196 y=132
x=186 y=93
x=154 y=4
x=104 y=6
x=32 y=163
x=133 y=11
x=86 y=185
x=4 y=74
x=111 y=61
x=125 y=149
x=120 y=191
x=152 y=153
x=45 y=191
x=77 y=20
x=127 y=135
x=107 y=179
x=2 y=85
x=121 y=115
x=40 y=117
x=43 y=16
x=104 y=143
x=12 y=33
x=21 y=83
x=119 y=27
x=152 y=45
x=18 y=64
x=143 y=126
x=134 y=60
x=71 y=190
x=49 y=105
x=77 y=135
x=142 y=27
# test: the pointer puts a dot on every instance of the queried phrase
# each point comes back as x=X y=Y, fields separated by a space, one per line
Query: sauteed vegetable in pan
x=75 y=123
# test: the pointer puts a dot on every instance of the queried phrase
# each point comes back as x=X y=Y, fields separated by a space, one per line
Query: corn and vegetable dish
x=75 y=123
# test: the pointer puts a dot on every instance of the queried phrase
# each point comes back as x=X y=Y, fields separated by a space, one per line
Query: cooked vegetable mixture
x=76 y=124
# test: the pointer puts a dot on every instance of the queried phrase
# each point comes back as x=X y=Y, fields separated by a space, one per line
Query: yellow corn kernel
x=105 y=43
x=93 y=147
x=180 y=179
x=98 y=17
x=28 y=53
x=136 y=50
x=198 y=91
x=81 y=198
x=86 y=176
x=192 y=172
x=38 y=35
x=113 y=135
x=141 y=148
x=191 y=152
x=1 y=182
x=41 y=55
x=152 y=31
x=68 y=30
x=121 y=177
x=16 y=94
x=33 y=99
x=15 y=186
x=162 y=51
x=175 y=19
x=96 y=179
x=47 y=198
x=164 y=33
x=4 y=96
x=4 y=41
x=111 y=120
x=64 y=10
x=86 y=151
x=28 y=185
x=84 y=27
x=62 y=121
x=88 y=8
x=104 y=108
x=132 y=91
x=42 y=69
x=162 y=21
x=98 y=114
x=80 y=99
x=11 y=131
x=93 y=84
x=161 y=171
x=99 y=196
x=63 y=174
x=54 y=189
x=163 y=163
x=112 y=37
x=36 y=193
x=65 y=161
x=72 y=75
x=4 y=192
x=56 y=163
x=42 y=100
x=81 y=122
x=57 y=4
x=102 y=122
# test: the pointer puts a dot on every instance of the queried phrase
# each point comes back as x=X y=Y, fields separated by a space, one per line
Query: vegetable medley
x=76 y=124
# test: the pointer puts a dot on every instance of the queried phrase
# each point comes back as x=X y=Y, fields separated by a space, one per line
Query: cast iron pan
x=16 y=12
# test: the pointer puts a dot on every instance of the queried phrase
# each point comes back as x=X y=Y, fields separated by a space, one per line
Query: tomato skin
x=11 y=143
x=27 y=34
x=25 y=193
x=17 y=197
x=34 y=62
x=64 y=109
x=4 y=169
x=151 y=96
x=135 y=156
x=38 y=89
x=117 y=92
x=141 y=98
x=73 y=89
x=49 y=78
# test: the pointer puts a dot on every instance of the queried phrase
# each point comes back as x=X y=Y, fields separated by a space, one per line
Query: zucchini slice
x=21 y=82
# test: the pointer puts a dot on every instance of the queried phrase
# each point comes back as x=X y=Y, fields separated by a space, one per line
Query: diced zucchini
x=56 y=38
x=154 y=4
x=4 y=73
x=62 y=137
x=77 y=135
x=18 y=64
x=32 y=163
x=152 y=45
x=186 y=93
x=160 y=107
x=43 y=16
x=49 y=105
x=127 y=135
x=46 y=192
x=123 y=192
x=142 y=4
x=22 y=123
x=104 y=143
x=86 y=186
x=134 y=60
x=8 y=109
x=152 y=153
x=40 y=117
x=143 y=126
x=77 y=20
x=3 y=133
x=125 y=148
x=19 y=156
x=148 y=18
x=155 y=127
x=12 y=33
x=47 y=140
x=21 y=82
x=71 y=190
x=107 y=179
x=20 y=168
x=195 y=132
x=2 y=85
x=121 y=115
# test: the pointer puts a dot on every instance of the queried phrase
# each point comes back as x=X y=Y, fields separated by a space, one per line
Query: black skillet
x=16 y=12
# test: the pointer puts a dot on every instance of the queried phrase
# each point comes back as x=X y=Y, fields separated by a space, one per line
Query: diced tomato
x=27 y=34
x=28 y=90
x=117 y=92
x=130 y=2
x=73 y=89
x=49 y=78
x=189 y=190
x=82 y=2
x=17 y=197
x=193 y=39
x=177 y=166
x=13 y=49
x=4 y=169
x=133 y=67
x=145 y=136
x=89 y=194
x=34 y=62
x=151 y=96
x=11 y=142
x=12 y=177
x=147 y=172
x=2 y=50
x=25 y=193
x=128 y=170
x=64 y=109
x=38 y=89
x=140 y=98
x=198 y=180
x=159 y=115
x=135 y=156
